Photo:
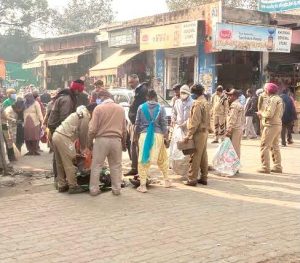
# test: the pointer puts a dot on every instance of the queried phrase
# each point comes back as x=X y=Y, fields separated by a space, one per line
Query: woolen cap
x=185 y=89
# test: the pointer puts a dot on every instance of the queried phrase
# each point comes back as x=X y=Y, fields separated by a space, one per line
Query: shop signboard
x=169 y=36
x=253 y=38
x=278 y=5
x=126 y=37
x=213 y=15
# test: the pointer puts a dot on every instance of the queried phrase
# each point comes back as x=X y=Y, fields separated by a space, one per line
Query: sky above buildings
x=127 y=9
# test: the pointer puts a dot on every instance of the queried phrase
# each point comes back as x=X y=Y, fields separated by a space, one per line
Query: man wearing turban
x=272 y=125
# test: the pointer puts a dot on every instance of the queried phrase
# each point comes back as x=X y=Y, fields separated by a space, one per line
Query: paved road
x=250 y=218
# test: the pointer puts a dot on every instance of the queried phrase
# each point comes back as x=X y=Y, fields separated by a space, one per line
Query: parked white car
x=124 y=97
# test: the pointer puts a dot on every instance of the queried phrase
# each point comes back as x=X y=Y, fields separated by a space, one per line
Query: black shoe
x=276 y=170
x=136 y=182
x=131 y=173
x=63 y=189
x=215 y=141
x=76 y=190
x=191 y=183
x=290 y=142
x=202 y=181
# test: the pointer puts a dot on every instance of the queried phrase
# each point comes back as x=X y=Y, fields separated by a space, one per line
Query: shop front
x=59 y=68
x=114 y=70
x=126 y=60
x=240 y=64
x=175 y=51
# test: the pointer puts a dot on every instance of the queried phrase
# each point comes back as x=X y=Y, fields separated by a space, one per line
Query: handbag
x=187 y=148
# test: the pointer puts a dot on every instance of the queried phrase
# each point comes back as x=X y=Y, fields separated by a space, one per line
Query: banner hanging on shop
x=213 y=15
x=278 y=5
x=2 y=69
x=253 y=38
x=170 y=36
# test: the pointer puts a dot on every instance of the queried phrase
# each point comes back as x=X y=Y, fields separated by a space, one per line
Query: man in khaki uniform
x=261 y=106
x=220 y=108
x=72 y=128
x=198 y=127
x=272 y=123
x=235 y=120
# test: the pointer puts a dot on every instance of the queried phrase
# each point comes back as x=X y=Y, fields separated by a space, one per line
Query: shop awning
x=36 y=63
x=66 y=57
x=56 y=58
x=110 y=65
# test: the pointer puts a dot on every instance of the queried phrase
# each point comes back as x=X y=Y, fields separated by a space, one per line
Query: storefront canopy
x=110 y=65
x=57 y=58
x=36 y=63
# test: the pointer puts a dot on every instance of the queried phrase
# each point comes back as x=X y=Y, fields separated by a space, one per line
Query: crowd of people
x=94 y=125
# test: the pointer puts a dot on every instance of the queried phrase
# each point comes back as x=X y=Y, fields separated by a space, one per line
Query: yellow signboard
x=169 y=36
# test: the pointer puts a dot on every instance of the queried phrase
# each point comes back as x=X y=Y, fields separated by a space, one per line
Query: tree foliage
x=81 y=15
x=15 y=46
x=179 y=4
x=22 y=14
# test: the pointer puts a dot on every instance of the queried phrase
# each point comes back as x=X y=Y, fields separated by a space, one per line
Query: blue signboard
x=278 y=5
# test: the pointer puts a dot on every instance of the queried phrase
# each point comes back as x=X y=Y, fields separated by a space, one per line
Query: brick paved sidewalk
x=250 y=218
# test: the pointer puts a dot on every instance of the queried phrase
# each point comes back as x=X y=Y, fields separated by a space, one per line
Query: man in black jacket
x=140 y=94
x=250 y=111
x=288 y=118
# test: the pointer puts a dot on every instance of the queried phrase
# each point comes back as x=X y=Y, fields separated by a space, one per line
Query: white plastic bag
x=178 y=135
x=226 y=160
x=178 y=161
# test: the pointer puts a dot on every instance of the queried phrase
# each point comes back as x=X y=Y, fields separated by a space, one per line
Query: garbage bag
x=178 y=161
x=226 y=160
x=178 y=135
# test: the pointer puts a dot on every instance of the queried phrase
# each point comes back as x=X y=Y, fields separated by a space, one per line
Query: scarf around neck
x=149 y=140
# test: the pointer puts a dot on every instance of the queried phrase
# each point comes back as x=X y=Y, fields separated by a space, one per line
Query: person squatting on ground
x=288 y=118
x=250 y=112
x=152 y=131
x=64 y=104
x=140 y=93
x=235 y=121
x=74 y=127
x=272 y=125
x=108 y=128
x=220 y=109
x=197 y=130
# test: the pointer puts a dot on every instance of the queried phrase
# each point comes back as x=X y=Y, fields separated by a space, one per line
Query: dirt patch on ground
x=21 y=181
x=288 y=258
